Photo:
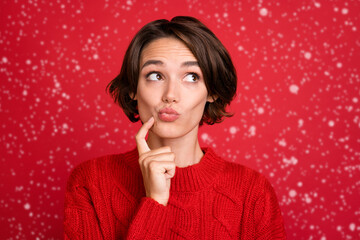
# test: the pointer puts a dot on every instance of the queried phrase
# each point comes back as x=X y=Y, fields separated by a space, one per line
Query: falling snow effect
x=297 y=113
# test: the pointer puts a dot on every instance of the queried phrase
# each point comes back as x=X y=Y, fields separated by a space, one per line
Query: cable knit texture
x=214 y=199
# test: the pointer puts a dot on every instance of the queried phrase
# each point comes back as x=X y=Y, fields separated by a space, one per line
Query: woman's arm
x=80 y=218
x=267 y=213
x=157 y=167
x=88 y=214
x=150 y=221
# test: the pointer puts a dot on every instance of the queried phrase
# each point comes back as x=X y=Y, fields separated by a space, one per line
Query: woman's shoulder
x=241 y=179
x=92 y=170
x=243 y=172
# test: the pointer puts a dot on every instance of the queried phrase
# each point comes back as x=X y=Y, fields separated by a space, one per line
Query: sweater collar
x=194 y=177
x=198 y=176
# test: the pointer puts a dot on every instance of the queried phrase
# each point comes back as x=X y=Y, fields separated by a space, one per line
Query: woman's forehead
x=166 y=49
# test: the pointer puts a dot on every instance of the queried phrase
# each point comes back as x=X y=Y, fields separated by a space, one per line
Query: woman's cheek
x=145 y=109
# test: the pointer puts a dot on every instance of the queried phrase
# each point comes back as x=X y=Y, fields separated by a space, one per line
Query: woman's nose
x=171 y=92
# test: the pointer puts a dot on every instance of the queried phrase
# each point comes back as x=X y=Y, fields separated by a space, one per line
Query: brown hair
x=214 y=62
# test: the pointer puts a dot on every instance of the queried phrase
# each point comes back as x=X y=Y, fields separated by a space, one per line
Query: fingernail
x=150 y=119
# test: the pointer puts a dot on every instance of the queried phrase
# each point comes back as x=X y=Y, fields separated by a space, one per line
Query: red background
x=297 y=114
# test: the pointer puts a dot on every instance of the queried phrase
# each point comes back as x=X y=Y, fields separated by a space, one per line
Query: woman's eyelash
x=152 y=72
x=195 y=74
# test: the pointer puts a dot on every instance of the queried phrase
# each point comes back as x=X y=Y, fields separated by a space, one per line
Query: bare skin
x=157 y=166
x=170 y=78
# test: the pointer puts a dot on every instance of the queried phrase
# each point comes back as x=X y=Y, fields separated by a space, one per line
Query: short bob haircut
x=214 y=61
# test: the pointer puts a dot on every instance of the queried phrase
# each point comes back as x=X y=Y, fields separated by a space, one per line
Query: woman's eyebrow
x=150 y=62
x=158 y=62
x=190 y=63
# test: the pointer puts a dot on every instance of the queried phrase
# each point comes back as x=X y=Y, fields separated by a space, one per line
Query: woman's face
x=171 y=88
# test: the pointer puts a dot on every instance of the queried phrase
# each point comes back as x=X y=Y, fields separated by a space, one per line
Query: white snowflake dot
x=252 y=130
x=27 y=206
x=294 y=88
x=260 y=110
x=352 y=226
x=205 y=136
x=233 y=130
x=263 y=12
x=292 y=193
x=282 y=142
x=307 y=55
x=344 y=11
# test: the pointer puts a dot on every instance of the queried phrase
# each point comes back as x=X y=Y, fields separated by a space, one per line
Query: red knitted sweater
x=214 y=199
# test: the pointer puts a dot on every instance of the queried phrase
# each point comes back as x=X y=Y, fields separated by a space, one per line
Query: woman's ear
x=132 y=96
x=211 y=98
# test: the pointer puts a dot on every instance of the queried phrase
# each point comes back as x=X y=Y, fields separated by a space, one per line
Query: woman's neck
x=187 y=148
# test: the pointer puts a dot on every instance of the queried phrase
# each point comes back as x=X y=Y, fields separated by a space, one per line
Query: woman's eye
x=154 y=77
x=191 y=77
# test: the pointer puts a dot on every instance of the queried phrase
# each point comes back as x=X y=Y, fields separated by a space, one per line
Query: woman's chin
x=170 y=132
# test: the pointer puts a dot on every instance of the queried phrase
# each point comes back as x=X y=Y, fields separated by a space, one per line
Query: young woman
x=176 y=75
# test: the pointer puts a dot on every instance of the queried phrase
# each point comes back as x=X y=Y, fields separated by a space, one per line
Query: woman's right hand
x=157 y=166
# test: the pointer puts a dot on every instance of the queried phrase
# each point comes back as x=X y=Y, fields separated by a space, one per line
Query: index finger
x=140 y=136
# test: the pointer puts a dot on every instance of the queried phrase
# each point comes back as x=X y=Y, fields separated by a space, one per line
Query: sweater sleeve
x=270 y=224
x=87 y=217
x=80 y=219
x=150 y=220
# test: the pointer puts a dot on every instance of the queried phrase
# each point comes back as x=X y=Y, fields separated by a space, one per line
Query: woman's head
x=213 y=59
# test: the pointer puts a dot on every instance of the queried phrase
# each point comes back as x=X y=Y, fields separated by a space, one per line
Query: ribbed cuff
x=150 y=221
